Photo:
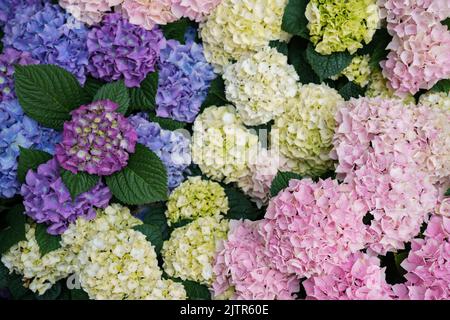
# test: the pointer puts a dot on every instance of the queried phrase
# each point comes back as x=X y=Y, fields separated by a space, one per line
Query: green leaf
x=47 y=93
x=240 y=206
x=326 y=66
x=4 y=275
x=447 y=193
x=446 y=22
x=399 y=257
x=281 y=181
x=377 y=47
x=167 y=123
x=52 y=293
x=156 y=216
x=116 y=92
x=15 y=230
x=297 y=58
x=441 y=86
x=143 y=180
x=216 y=94
x=176 y=30
x=78 y=183
x=153 y=235
x=144 y=97
x=30 y=159
x=79 y=294
x=196 y=291
x=16 y=287
x=179 y=224
x=47 y=242
x=91 y=86
x=281 y=46
x=351 y=90
x=294 y=20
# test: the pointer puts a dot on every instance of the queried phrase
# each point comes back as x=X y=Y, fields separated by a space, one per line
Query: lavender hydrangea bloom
x=18 y=130
x=47 y=200
x=97 y=140
x=8 y=8
x=121 y=50
x=51 y=35
x=172 y=147
x=184 y=80
x=8 y=59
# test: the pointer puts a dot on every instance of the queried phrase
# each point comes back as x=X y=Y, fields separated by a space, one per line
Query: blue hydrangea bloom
x=184 y=80
x=8 y=8
x=172 y=147
x=51 y=35
x=18 y=130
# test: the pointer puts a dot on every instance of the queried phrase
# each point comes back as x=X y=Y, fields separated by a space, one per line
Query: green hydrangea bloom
x=339 y=25
x=357 y=71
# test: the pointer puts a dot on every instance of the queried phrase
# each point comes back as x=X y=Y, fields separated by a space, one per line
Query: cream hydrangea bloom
x=339 y=25
x=358 y=70
x=39 y=272
x=190 y=251
x=221 y=145
x=260 y=84
x=238 y=27
x=379 y=87
x=196 y=198
x=440 y=100
x=304 y=132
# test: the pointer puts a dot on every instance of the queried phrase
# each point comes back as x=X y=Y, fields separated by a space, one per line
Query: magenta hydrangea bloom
x=241 y=264
x=8 y=59
x=359 y=278
x=311 y=225
x=121 y=50
x=47 y=200
x=97 y=140
x=377 y=143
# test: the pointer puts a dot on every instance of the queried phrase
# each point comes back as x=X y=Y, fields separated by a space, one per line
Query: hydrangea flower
x=47 y=200
x=439 y=100
x=358 y=278
x=196 y=10
x=379 y=87
x=357 y=71
x=235 y=28
x=378 y=144
x=8 y=8
x=17 y=130
x=8 y=59
x=196 y=198
x=190 y=251
x=39 y=272
x=336 y=25
x=310 y=226
x=221 y=146
x=118 y=49
x=51 y=36
x=172 y=147
x=184 y=79
x=304 y=132
x=97 y=140
x=260 y=84
x=148 y=13
x=241 y=264
x=89 y=11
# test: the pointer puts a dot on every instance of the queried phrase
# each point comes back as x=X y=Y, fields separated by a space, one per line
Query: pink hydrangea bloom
x=310 y=225
x=195 y=10
x=376 y=144
x=242 y=264
x=359 y=278
x=148 y=13
x=89 y=11
x=428 y=264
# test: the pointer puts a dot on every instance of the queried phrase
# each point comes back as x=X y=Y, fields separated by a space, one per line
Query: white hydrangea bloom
x=440 y=100
x=260 y=84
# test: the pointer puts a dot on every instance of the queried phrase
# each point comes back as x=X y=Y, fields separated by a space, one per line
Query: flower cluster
x=358 y=70
x=8 y=8
x=171 y=147
x=379 y=87
x=148 y=13
x=336 y=25
x=89 y=11
x=119 y=49
x=196 y=198
x=241 y=264
x=439 y=100
x=260 y=85
x=18 y=130
x=47 y=200
x=420 y=45
x=236 y=27
x=221 y=145
x=97 y=140
x=196 y=10
x=304 y=132
x=50 y=35
x=184 y=79
x=190 y=251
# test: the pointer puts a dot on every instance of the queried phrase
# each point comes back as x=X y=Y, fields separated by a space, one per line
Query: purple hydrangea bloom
x=8 y=8
x=47 y=200
x=18 y=130
x=8 y=59
x=121 y=50
x=51 y=35
x=184 y=80
x=172 y=147
x=97 y=140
